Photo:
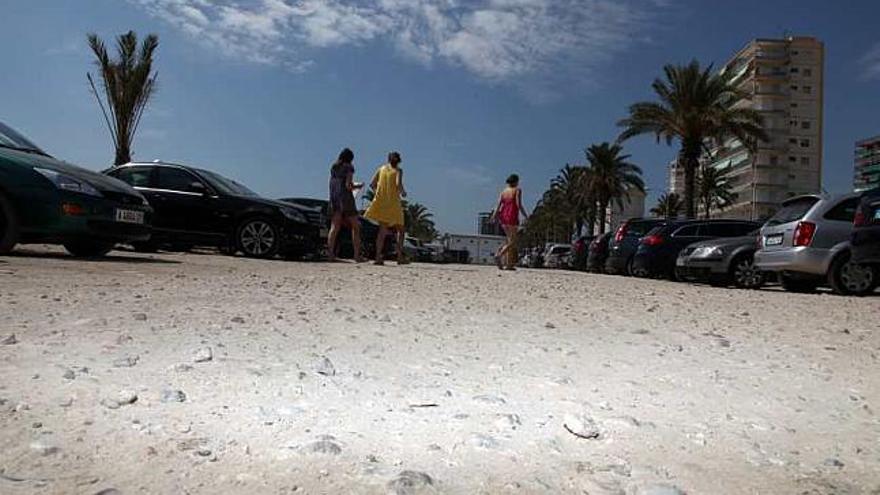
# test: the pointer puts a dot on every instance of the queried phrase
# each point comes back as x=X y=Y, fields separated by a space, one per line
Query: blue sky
x=269 y=91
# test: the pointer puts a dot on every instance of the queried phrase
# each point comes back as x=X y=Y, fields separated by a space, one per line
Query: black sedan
x=369 y=230
x=197 y=207
x=44 y=200
x=865 y=240
x=658 y=251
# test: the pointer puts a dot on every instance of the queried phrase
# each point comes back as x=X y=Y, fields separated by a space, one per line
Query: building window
x=808 y=72
x=794 y=70
x=805 y=125
x=792 y=159
x=795 y=52
x=774 y=159
x=808 y=89
x=792 y=140
x=805 y=160
x=791 y=176
x=805 y=143
x=794 y=87
x=794 y=105
x=792 y=123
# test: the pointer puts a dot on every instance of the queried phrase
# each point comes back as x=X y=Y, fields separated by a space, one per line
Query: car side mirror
x=198 y=187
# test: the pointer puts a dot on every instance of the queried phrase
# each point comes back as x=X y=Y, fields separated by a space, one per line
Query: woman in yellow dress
x=385 y=209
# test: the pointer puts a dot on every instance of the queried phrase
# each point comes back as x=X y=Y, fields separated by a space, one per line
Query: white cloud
x=497 y=40
x=871 y=61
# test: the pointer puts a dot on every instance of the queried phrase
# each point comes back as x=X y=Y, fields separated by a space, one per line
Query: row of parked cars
x=150 y=206
x=811 y=241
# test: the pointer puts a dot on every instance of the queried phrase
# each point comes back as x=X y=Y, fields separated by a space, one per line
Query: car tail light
x=803 y=233
x=652 y=240
x=72 y=209
x=621 y=232
x=860 y=218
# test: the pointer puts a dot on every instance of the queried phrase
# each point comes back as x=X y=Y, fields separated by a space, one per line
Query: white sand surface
x=338 y=378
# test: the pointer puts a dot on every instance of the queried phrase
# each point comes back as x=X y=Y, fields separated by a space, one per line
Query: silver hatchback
x=807 y=244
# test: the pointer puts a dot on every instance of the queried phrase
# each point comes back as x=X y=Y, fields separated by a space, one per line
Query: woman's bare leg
x=380 y=243
x=335 y=226
x=511 y=247
x=355 y=236
x=401 y=237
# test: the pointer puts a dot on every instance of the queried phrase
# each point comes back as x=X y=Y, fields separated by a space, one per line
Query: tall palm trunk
x=689 y=157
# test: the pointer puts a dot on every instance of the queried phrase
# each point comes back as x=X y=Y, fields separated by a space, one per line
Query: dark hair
x=513 y=180
x=345 y=156
x=392 y=156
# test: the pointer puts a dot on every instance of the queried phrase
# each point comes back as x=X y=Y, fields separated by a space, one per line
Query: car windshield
x=227 y=185
x=11 y=139
x=792 y=211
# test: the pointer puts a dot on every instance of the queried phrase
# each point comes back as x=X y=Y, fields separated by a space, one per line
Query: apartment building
x=784 y=79
x=675 y=178
x=867 y=164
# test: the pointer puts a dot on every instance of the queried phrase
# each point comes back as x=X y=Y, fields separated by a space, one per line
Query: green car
x=44 y=200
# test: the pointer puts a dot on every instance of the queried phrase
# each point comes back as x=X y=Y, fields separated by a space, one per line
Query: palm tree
x=714 y=189
x=695 y=107
x=129 y=82
x=611 y=177
x=576 y=204
x=419 y=221
x=668 y=206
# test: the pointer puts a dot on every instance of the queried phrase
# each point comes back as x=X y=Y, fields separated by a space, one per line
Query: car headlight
x=68 y=183
x=708 y=252
x=294 y=214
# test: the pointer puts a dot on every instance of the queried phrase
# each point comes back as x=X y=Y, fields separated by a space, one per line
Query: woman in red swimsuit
x=507 y=212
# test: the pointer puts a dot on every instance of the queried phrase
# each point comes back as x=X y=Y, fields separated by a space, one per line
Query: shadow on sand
x=110 y=258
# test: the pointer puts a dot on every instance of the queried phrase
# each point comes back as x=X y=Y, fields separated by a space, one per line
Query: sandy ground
x=424 y=379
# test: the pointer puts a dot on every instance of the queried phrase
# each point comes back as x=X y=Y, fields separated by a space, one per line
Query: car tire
x=850 y=279
x=258 y=237
x=145 y=247
x=8 y=226
x=744 y=274
x=628 y=271
x=795 y=285
x=88 y=249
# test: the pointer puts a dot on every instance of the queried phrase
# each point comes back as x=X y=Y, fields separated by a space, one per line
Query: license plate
x=773 y=240
x=129 y=216
x=324 y=232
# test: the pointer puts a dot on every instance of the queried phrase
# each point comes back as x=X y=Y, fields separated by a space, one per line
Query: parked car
x=369 y=231
x=557 y=256
x=622 y=247
x=865 y=240
x=415 y=250
x=44 y=200
x=807 y=242
x=723 y=261
x=580 y=252
x=598 y=253
x=658 y=251
x=198 y=207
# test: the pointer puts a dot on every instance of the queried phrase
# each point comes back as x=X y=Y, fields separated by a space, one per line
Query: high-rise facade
x=867 y=164
x=784 y=80
x=675 y=178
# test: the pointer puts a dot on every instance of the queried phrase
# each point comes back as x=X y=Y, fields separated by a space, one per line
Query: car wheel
x=145 y=247
x=744 y=273
x=848 y=278
x=88 y=249
x=629 y=270
x=8 y=226
x=258 y=238
x=795 y=285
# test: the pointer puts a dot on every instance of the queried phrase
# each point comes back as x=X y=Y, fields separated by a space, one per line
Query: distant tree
x=128 y=84
x=575 y=202
x=419 y=222
x=695 y=106
x=714 y=190
x=668 y=206
x=612 y=176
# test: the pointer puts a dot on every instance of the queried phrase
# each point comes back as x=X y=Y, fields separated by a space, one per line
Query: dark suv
x=658 y=251
x=197 y=207
x=865 y=240
x=622 y=247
